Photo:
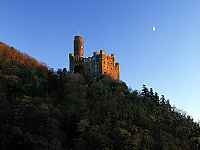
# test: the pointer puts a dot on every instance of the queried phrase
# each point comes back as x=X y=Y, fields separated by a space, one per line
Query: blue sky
x=167 y=59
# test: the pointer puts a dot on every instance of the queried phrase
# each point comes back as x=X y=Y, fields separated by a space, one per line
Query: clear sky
x=167 y=59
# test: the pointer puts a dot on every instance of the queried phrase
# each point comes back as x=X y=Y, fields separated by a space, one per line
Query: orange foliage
x=10 y=53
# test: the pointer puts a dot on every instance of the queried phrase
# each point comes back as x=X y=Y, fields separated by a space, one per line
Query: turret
x=78 y=46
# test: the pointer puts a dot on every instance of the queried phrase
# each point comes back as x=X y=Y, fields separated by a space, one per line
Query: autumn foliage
x=14 y=56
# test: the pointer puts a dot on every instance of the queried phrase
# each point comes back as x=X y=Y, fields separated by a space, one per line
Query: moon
x=154 y=28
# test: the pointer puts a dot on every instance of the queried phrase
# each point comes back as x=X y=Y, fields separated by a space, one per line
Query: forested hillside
x=43 y=109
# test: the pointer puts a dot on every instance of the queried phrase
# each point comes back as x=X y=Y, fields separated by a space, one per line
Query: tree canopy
x=42 y=109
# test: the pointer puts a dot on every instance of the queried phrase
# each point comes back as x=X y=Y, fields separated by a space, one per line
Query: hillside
x=42 y=109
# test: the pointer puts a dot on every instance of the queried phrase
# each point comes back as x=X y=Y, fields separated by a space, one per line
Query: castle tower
x=78 y=46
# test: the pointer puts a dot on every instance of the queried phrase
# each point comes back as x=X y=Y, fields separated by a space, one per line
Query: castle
x=98 y=64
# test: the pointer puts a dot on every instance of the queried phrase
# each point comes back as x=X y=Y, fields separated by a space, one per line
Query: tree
x=145 y=91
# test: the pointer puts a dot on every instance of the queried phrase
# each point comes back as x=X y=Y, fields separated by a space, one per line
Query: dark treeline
x=42 y=109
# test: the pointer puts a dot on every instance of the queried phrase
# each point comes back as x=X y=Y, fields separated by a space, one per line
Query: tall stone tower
x=76 y=59
x=78 y=46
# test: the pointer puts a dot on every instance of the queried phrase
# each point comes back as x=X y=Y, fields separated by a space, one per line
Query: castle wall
x=109 y=66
